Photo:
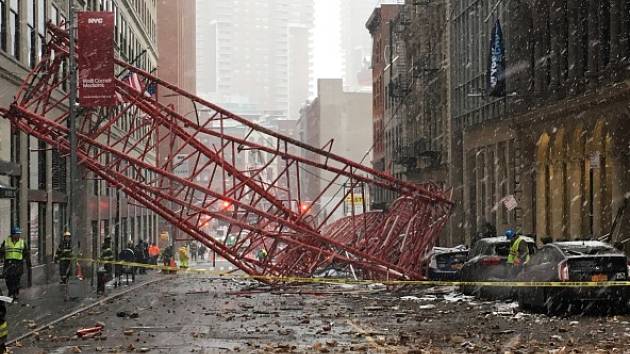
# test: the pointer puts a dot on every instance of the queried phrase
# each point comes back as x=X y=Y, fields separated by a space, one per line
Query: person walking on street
x=519 y=251
x=167 y=257
x=154 y=252
x=141 y=256
x=15 y=253
x=193 y=251
x=63 y=256
x=202 y=253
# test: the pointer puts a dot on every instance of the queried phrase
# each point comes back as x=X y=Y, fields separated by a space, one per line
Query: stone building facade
x=39 y=173
x=558 y=140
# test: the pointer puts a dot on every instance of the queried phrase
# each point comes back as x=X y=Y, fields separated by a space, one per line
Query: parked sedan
x=446 y=263
x=488 y=262
x=576 y=261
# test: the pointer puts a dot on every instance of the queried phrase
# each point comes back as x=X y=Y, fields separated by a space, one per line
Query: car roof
x=501 y=239
x=440 y=250
x=565 y=246
x=585 y=243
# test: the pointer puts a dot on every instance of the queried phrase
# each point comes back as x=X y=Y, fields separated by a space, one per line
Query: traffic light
x=304 y=207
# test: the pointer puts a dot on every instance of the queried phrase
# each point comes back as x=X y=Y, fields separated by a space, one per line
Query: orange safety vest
x=154 y=251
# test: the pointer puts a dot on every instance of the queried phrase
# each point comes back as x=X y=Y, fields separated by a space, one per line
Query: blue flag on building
x=496 y=63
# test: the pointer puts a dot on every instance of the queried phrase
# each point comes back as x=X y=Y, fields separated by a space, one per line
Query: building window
x=14 y=24
x=31 y=38
x=3 y=25
x=54 y=13
x=41 y=27
x=58 y=172
x=37 y=164
x=59 y=217
x=37 y=232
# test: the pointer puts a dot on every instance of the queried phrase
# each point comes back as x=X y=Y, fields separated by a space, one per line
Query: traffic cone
x=79 y=272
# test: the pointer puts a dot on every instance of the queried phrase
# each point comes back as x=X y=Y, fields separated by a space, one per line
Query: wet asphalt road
x=195 y=314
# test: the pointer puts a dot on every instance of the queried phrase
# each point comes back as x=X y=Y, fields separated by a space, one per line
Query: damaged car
x=487 y=262
x=574 y=261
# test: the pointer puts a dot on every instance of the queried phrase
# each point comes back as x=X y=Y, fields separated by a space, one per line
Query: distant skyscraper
x=255 y=56
x=356 y=44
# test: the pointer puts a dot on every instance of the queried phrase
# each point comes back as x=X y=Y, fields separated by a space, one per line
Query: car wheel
x=522 y=302
x=553 y=305
x=620 y=306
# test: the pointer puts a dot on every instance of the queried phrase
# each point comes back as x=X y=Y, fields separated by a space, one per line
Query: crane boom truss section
x=221 y=168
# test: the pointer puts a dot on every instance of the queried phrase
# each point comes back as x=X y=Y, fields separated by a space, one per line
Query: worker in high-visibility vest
x=14 y=252
x=519 y=251
x=183 y=257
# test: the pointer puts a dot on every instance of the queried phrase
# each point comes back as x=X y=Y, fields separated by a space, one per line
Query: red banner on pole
x=97 y=85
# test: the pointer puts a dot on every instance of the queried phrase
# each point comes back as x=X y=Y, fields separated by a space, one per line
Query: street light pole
x=72 y=94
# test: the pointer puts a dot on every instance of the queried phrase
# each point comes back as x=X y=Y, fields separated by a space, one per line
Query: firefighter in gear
x=168 y=259
x=519 y=251
x=63 y=256
x=14 y=252
x=105 y=270
x=183 y=257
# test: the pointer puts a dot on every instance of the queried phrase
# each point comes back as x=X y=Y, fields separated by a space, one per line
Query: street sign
x=181 y=166
x=8 y=193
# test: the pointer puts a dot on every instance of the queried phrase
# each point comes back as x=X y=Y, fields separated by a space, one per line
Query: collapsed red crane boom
x=223 y=168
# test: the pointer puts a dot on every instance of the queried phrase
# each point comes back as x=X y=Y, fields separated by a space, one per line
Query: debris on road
x=123 y=314
x=90 y=331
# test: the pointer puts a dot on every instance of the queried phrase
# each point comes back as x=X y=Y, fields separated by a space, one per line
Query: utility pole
x=72 y=125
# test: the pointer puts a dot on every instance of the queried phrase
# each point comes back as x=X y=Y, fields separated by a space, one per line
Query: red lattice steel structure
x=220 y=167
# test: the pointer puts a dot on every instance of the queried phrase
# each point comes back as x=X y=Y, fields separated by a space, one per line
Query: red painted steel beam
x=255 y=171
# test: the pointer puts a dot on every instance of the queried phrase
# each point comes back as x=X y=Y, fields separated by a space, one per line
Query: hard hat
x=67 y=233
x=16 y=230
x=509 y=233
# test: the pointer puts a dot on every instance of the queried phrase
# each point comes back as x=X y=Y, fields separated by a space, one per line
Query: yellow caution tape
x=281 y=279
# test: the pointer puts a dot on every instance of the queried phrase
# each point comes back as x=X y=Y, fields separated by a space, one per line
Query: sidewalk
x=39 y=305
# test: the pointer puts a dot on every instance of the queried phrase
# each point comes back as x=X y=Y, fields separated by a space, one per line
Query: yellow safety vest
x=4 y=331
x=14 y=251
x=514 y=252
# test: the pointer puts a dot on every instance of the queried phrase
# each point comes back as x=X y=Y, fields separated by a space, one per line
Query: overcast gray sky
x=326 y=39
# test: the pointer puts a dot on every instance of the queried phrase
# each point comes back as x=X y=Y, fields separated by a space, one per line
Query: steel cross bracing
x=217 y=167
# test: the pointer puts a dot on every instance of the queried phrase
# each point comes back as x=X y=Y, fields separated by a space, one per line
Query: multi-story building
x=410 y=70
x=379 y=24
x=176 y=38
x=256 y=54
x=557 y=140
x=356 y=45
x=39 y=173
x=339 y=121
